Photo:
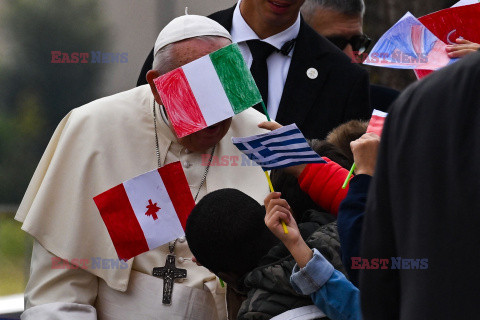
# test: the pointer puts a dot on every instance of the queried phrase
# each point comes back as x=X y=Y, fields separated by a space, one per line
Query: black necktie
x=260 y=51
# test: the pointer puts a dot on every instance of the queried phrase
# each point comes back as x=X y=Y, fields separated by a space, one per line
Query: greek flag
x=279 y=148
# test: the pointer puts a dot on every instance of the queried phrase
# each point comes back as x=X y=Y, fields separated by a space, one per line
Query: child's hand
x=365 y=151
x=278 y=210
x=461 y=48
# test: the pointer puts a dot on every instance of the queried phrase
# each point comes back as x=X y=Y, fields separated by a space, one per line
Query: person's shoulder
x=224 y=17
x=122 y=104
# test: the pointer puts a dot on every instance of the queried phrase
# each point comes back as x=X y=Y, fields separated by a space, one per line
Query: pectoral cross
x=169 y=273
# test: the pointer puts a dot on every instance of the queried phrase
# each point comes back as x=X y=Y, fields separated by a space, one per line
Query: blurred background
x=35 y=93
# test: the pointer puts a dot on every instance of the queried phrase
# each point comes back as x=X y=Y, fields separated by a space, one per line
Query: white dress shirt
x=277 y=63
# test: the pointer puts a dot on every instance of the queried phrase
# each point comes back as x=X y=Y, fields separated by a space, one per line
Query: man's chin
x=206 y=142
x=211 y=132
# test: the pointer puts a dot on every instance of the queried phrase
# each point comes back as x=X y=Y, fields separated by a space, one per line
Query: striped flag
x=207 y=90
x=376 y=122
x=279 y=148
x=147 y=211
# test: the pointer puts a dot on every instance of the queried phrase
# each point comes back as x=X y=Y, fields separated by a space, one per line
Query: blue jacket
x=330 y=291
x=350 y=220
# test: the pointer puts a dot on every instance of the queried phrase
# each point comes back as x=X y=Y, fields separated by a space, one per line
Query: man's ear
x=151 y=75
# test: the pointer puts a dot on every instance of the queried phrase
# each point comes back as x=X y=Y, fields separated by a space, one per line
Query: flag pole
x=265 y=111
x=348 y=176
x=285 y=230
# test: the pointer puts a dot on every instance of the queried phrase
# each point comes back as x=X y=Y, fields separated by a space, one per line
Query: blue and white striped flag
x=279 y=148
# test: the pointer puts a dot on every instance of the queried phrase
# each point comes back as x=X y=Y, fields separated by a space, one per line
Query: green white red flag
x=208 y=90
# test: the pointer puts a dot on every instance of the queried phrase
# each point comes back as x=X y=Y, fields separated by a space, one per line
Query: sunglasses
x=360 y=43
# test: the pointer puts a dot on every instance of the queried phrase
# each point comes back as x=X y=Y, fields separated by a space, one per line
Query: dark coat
x=350 y=222
x=340 y=92
x=423 y=201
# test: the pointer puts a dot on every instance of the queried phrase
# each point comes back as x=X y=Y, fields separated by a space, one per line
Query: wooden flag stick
x=285 y=230
x=348 y=176
x=266 y=172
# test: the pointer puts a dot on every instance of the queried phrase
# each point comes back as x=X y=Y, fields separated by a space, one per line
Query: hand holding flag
x=279 y=148
x=374 y=126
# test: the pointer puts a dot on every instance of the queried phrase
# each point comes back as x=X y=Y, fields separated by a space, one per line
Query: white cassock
x=98 y=146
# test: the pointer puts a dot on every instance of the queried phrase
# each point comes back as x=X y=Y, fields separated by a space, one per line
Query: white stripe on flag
x=288 y=150
x=288 y=161
x=151 y=187
x=272 y=134
x=306 y=154
x=379 y=113
x=204 y=81
x=282 y=139
x=288 y=147
x=295 y=146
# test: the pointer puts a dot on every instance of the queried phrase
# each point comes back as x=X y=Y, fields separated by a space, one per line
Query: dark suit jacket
x=339 y=93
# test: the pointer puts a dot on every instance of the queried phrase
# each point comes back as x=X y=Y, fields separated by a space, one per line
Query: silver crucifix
x=169 y=273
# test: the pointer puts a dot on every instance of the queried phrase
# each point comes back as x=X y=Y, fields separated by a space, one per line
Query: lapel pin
x=312 y=73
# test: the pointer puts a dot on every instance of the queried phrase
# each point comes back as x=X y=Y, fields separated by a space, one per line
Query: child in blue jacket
x=330 y=291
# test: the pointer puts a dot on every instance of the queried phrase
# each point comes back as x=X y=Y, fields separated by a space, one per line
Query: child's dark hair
x=345 y=133
x=226 y=232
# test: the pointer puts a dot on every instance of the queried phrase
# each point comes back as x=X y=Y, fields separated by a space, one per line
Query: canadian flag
x=147 y=211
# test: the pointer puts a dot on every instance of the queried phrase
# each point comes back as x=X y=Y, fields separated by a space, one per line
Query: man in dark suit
x=309 y=81
x=341 y=22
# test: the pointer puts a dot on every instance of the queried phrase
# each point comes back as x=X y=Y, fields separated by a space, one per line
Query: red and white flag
x=147 y=211
x=376 y=122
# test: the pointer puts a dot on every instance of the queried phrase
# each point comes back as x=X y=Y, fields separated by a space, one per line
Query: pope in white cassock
x=102 y=144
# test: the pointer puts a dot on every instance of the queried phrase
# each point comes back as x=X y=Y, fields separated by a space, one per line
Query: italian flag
x=208 y=90
x=147 y=211
x=376 y=122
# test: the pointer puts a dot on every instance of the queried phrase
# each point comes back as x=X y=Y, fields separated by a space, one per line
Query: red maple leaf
x=152 y=209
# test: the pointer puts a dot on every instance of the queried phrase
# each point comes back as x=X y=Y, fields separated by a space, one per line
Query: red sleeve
x=323 y=183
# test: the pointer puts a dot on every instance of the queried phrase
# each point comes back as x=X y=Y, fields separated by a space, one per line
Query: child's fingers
x=460 y=53
x=270 y=196
x=277 y=202
x=462 y=41
x=269 y=125
x=275 y=219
